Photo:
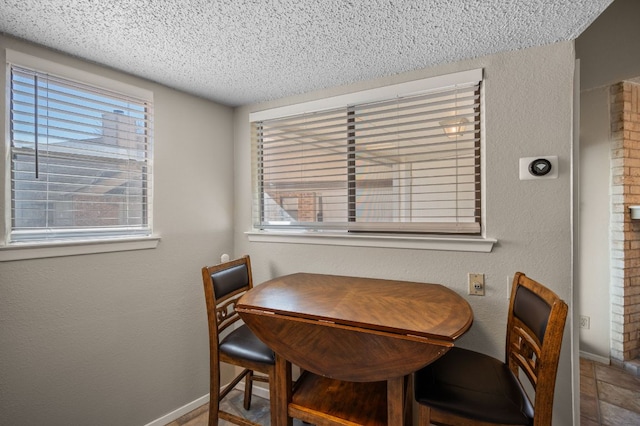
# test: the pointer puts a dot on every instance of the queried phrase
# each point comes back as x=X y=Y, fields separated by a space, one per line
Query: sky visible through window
x=64 y=112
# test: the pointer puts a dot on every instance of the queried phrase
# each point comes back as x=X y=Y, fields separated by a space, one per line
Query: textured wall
x=528 y=112
x=121 y=338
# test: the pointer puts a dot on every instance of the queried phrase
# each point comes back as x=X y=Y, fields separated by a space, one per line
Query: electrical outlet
x=585 y=322
x=476 y=284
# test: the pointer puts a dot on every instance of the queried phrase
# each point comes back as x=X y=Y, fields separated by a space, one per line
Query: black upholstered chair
x=224 y=284
x=464 y=387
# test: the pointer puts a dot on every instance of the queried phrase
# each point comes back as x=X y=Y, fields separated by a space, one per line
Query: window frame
x=12 y=250
x=385 y=93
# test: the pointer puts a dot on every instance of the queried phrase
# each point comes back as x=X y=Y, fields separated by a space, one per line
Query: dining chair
x=224 y=284
x=464 y=387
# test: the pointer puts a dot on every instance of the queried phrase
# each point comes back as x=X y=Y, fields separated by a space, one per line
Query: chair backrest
x=224 y=284
x=534 y=337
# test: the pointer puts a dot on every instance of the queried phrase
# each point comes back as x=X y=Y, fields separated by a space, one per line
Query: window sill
x=419 y=242
x=23 y=251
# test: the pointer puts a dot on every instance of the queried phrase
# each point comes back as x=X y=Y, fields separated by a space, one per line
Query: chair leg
x=424 y=415
x=213 y=414
x=214 y=397
x=248 y=389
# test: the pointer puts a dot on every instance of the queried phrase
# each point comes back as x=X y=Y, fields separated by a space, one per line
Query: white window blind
x=80 y=160
x=406 y=164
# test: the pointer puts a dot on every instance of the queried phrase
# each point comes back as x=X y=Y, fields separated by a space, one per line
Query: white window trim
x=400 y=241
x=24 y=251
x=480 y=244
x=371 y=95
x=70 y=73
x=38 y=250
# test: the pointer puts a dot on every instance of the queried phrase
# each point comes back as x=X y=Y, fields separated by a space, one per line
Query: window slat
x=80 y=160
x=407 y=164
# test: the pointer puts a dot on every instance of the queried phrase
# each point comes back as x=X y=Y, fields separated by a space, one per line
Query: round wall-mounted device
x=540 y=167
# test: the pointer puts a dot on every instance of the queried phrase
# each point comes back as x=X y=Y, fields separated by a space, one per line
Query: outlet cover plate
x=585 y=322
x=476 y=284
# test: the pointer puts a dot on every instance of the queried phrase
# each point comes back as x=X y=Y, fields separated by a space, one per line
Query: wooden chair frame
x=524 y=352
x=221 y=315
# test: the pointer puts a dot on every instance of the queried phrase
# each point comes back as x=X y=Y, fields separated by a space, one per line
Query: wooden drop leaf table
x=357 y=340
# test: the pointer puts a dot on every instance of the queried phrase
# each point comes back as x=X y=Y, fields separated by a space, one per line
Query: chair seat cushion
x=473 y=385
x=242 y=343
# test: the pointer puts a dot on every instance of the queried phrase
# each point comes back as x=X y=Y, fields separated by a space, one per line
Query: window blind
x=405 y=164
x=80 y=160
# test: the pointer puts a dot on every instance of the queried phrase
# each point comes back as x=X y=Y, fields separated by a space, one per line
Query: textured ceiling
x=243 y=51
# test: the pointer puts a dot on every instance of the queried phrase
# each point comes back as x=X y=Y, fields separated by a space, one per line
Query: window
x=80 y=160
x=404 y=160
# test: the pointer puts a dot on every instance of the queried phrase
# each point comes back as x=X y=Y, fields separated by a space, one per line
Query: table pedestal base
x=320 y=398
x=323 y=401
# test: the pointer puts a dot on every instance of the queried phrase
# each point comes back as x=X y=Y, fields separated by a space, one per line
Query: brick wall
x=625 y=233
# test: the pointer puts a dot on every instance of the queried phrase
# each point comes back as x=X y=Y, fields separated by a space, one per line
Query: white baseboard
x=597 y=358
x=187 y=408
x=176 y=414
x=257 y=390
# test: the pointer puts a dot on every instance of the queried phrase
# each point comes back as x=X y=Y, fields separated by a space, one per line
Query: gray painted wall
x=609 y=52
x=121 y=338
x=593 y=280
x=528 y=112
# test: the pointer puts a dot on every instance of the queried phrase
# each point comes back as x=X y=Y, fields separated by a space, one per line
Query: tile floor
x=609 y=396
x=259 y=412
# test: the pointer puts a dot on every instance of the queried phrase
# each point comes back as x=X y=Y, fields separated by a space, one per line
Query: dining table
x=356 y=341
